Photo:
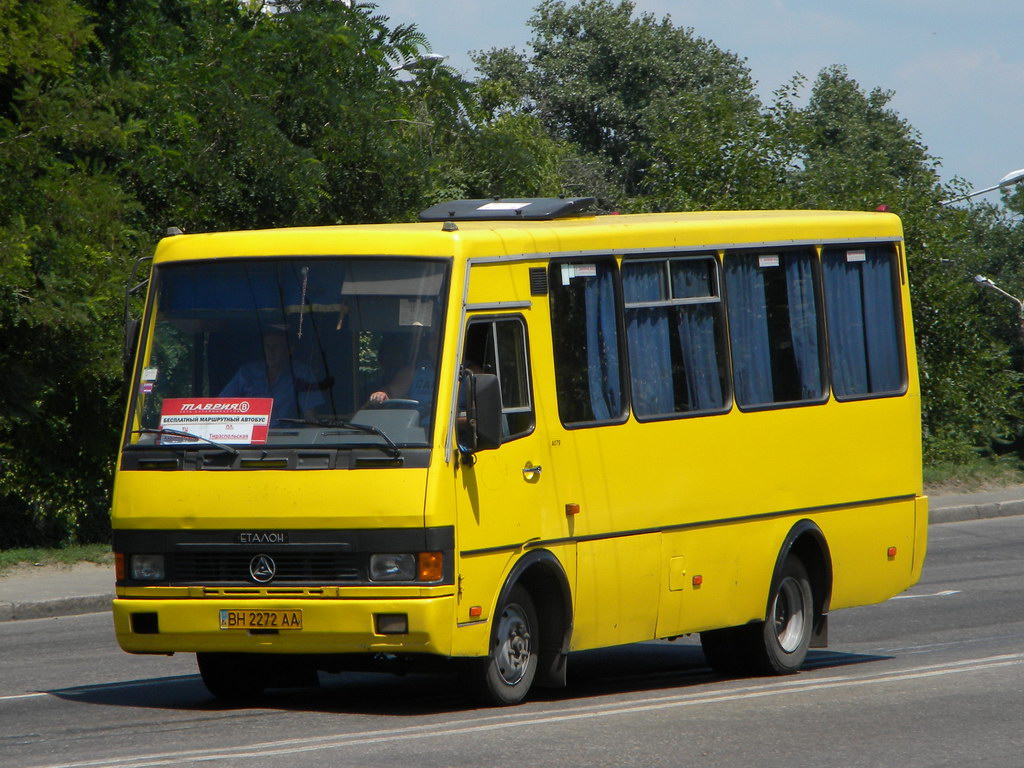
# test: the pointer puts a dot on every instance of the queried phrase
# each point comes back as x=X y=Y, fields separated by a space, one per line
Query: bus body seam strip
x=683 y=526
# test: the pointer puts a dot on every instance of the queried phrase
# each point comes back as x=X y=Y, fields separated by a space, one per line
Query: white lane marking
x=23 y=696
x=514 y=720
x=93 y=688
x=944 y=593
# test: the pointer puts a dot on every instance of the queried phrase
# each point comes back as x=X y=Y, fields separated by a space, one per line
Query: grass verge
x=90 y=553
x=981 y=474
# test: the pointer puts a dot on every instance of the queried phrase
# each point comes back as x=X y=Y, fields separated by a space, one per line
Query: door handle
x=530 y=469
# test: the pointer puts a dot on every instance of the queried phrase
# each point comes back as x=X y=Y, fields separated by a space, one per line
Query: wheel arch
x=806 y=541
x=542 y=575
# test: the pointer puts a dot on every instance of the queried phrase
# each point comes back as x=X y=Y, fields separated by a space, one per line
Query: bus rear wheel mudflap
x=505 y=675
x=776 y=646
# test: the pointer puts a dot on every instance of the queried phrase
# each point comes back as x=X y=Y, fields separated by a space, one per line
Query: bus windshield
x=291 y=351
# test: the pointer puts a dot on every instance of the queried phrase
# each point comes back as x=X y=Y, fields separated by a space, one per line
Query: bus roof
x=629 y=233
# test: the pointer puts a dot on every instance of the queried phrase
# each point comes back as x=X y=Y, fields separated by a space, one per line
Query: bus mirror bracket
x=480 y=430
x=132 y=324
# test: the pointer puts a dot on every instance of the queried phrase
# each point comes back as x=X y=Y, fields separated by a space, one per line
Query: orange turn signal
x=431 y=566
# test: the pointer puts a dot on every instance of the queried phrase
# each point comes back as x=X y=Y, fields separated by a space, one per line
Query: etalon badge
x=262 y=568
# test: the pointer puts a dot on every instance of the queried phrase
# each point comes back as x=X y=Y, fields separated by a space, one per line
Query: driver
x=412 y=376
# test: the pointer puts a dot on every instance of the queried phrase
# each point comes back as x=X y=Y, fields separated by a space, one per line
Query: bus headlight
x=147 y=567
x=392 y=567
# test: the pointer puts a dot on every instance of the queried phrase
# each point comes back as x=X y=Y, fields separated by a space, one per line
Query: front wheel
x=505 y=676
x=230 y=677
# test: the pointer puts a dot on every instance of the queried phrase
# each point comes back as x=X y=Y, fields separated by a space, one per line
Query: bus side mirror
x=480 y=430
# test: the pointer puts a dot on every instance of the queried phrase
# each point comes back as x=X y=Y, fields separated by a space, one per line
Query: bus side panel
x=480 y=579
x=738 y=482
x=617 y=596
x=860 y=541
x=702 y=587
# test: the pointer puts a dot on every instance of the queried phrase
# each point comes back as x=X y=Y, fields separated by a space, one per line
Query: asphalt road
x=933 y=678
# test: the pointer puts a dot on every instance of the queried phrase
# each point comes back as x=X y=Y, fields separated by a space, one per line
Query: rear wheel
x=505 y=676
x=726 y=650
x=776 y=646
x=786 y=633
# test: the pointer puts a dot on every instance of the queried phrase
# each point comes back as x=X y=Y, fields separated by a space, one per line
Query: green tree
x=671 y=119
x=63 y=239
x=857 y=153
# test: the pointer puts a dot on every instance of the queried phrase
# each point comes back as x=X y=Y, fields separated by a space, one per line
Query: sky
x=956 y=69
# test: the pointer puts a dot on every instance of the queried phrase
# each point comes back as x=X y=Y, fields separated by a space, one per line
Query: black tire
x=505 y=676
x=781 y=645
x=230 y=676
x=726 y=650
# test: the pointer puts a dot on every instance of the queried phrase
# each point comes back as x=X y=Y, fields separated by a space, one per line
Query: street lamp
x=987 y=282
x=1013 y=177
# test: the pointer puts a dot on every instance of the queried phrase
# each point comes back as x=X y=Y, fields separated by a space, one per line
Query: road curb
x=962 y=512
x=61 y=606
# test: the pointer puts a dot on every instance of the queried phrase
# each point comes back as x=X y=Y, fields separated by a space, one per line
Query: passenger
x=290 y=383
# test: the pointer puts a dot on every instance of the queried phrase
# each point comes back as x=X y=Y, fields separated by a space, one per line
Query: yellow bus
x=515 y=430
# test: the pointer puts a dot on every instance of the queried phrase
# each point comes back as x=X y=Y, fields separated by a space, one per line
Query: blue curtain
x=647 y=334
x=604 y=376
x=699 y=341
x=885 y=364
x=845 y=314
x=748 y=329
x=698 y=337
x=803 y=323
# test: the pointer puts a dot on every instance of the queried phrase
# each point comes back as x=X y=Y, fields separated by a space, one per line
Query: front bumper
x=332 y=626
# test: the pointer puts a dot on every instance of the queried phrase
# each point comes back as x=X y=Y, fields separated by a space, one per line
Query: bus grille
x=320 y=568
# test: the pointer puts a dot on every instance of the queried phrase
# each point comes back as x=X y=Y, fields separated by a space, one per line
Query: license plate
x=261 y=619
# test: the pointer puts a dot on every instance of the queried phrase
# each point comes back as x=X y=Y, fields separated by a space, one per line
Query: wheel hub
x=788 y=615
x=512 y=654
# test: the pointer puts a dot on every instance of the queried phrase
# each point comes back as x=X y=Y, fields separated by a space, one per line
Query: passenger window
x=675 y=336
x=499 y=347
x=774 y=330
x=585 y=340
x=862 y=309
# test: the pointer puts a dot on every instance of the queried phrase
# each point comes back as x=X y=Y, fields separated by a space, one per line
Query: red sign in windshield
x=221 y=419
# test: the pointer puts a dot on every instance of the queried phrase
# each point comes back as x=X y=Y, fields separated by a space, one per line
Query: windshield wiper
x=189 y=435
x=391 y=448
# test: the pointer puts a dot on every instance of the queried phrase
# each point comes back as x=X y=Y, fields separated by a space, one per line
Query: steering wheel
x=397 y=403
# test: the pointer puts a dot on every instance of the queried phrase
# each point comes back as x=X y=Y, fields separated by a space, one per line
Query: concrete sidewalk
x=36 y=592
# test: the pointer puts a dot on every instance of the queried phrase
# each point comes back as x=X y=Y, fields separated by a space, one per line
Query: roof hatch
x=509 y=209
